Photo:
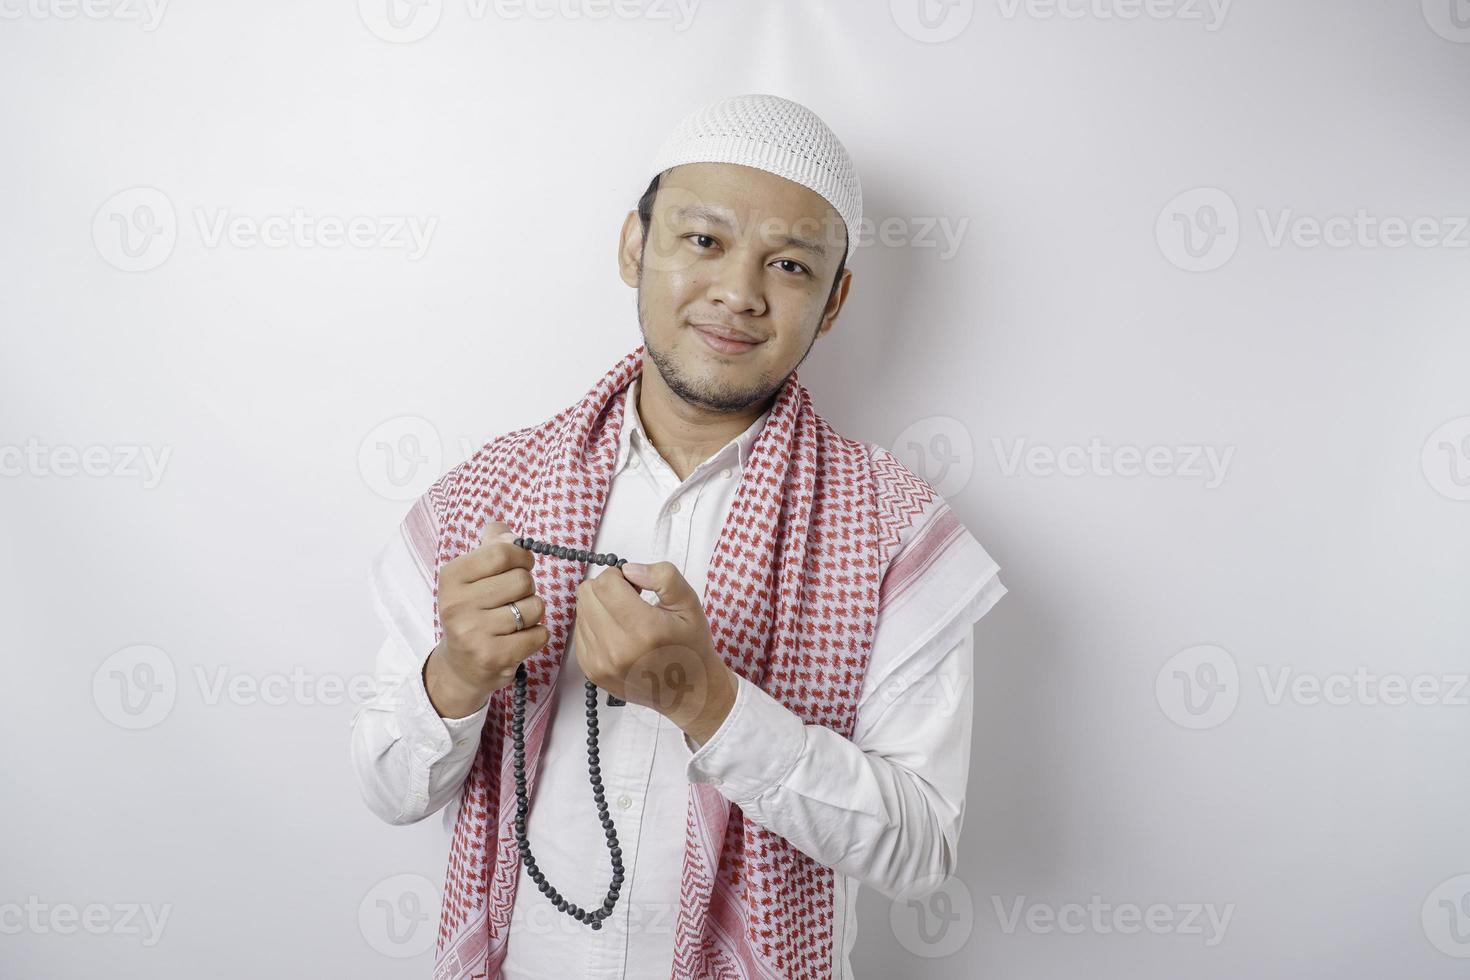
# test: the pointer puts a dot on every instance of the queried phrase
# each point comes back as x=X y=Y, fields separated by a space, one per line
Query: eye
x=799 y=270
x=698 y=235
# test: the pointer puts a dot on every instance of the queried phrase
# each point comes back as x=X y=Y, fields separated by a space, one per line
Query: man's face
x=733 y=250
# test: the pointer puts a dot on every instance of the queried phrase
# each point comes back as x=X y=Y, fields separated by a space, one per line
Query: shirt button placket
x=633 y=759
x=683 y=511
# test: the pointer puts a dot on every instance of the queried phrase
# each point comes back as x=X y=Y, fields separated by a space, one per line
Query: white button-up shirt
x=884 y=808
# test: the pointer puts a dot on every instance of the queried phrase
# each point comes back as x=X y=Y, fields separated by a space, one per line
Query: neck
x=686 y=435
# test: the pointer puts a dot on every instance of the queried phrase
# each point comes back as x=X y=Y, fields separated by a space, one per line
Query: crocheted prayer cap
x=776 y=135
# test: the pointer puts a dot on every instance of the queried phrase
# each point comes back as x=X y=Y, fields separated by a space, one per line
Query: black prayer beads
x=592 y=917
x=574 y=554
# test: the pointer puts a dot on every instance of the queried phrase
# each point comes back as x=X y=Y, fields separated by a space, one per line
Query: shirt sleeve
x=885 y=806
x=887 y=811
x=409 y=761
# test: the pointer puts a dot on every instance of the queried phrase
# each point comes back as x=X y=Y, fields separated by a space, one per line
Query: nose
x=737 y=284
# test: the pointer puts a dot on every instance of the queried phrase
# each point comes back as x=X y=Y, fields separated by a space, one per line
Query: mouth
x=725 y=341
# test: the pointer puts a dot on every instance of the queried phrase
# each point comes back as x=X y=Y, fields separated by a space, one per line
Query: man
x=786 y=654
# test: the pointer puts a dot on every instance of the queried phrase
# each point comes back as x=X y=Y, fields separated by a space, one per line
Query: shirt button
x=633 y=463
x=624 y=801
x=725 y=472
x=674 y=507
x=462 y=742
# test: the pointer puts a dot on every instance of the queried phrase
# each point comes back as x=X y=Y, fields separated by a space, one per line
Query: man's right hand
x=481 y=646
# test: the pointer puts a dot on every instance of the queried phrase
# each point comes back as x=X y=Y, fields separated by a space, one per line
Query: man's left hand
x=660 y=656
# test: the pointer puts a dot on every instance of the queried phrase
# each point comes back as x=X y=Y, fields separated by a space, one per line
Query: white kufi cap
x=776 y=135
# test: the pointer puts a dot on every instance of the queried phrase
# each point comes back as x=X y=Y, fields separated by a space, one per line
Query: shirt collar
x=741 y=446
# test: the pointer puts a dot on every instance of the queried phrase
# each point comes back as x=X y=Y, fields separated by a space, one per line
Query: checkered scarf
x=792 y=600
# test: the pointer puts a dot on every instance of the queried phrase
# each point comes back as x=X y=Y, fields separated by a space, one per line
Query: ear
x=839 y=296
x=630 y=249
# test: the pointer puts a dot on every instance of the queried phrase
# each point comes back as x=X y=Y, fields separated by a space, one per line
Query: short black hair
x=645 y=215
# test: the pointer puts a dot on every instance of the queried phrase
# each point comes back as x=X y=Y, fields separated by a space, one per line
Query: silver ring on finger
x=516 y=610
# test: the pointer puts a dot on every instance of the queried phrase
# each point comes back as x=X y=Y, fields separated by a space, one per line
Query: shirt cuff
x=754 y=749
x=436 y=739
x=465 y=732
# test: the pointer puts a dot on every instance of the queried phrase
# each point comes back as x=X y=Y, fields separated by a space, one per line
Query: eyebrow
x=703 y=212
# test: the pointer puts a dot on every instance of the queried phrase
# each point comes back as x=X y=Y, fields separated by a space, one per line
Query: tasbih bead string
x=592 y=917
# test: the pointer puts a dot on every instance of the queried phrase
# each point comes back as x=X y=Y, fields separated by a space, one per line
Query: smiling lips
x=724 y=340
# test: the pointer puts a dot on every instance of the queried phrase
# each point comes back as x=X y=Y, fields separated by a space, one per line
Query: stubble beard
x=704 y=395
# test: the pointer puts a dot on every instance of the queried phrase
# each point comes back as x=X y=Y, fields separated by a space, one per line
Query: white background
x=1066 y=149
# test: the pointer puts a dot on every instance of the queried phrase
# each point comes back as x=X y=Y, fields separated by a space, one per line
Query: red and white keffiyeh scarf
x=792 y=597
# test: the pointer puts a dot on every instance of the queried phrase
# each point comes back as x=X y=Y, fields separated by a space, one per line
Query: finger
x=496 y=555
x=619 y=600
x=592 y=612
x=497 y=590
x=493 y=530
x=503 y=619
x=594 y=624
x=528 y=642
x=673 y=590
